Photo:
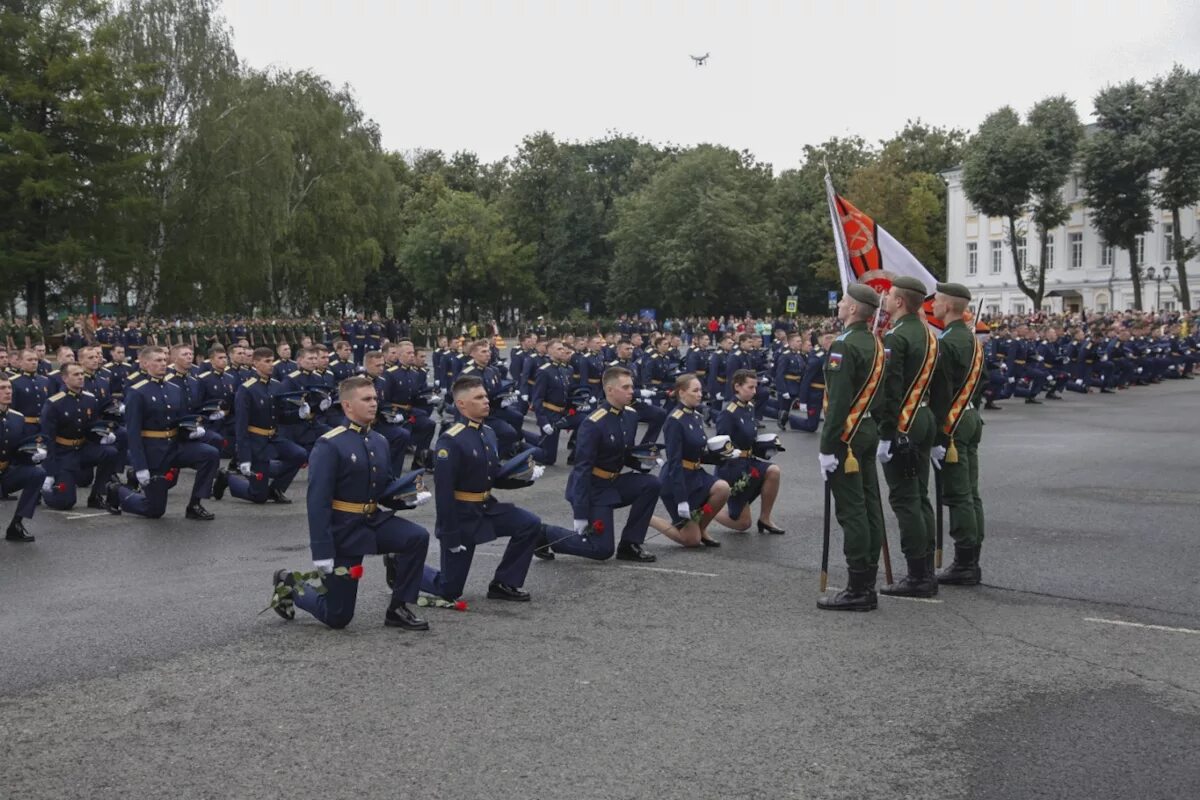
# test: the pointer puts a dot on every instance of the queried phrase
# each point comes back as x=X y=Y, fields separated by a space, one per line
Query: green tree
x=697 y=237
x=1174 y=108
x=62 y=145
x=1117 y=160
x=1057 y=132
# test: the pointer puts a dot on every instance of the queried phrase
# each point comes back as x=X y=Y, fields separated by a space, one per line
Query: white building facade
x=1082 y=272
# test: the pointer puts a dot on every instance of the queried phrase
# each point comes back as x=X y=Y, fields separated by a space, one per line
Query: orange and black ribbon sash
x=916 y=391
x=965 y=392
x=862 y=402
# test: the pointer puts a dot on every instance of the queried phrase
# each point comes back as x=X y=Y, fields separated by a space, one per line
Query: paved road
x=132 y=663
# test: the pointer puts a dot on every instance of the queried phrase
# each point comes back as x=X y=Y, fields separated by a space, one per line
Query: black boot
x=918 y=582
x=859 y=595
x=965 y=569
x=16 y=532
x=400 y=616
x=220 y=484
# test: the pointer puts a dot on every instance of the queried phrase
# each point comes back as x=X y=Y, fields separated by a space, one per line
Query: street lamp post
x=1158 y=279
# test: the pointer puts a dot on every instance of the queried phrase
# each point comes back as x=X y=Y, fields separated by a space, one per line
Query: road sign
x=792 y=289
x=833 y=298
x=791 y=304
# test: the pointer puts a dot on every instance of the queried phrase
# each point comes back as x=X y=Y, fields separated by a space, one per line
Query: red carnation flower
x=570 y=412
x=754 y=473
x=60 y=487
x=258 y=476
x=707 y=509
x=598 y=526
x=171 y=473
x=460 y=605
x=356 y=572
x=412 y=420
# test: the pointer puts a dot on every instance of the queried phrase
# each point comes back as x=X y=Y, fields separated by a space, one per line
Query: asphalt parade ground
x=134 y=664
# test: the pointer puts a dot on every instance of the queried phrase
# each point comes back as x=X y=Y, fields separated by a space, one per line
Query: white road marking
x=674 y=571
x=1125 y=624
x=85 y=516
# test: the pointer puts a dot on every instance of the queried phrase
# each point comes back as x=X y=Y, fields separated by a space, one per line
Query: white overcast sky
x=480 y=76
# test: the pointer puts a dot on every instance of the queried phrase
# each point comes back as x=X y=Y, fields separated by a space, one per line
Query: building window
x=993 y=309
x=1018 y=308
x=1168 y=241
x=972 y=258
x=1048 y=253
x=1076 y=242
x=1139 y=250
x=1107 y=254
x=1022 y=249
x=997 y=256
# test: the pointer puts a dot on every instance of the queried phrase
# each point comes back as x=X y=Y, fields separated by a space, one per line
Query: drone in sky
x=700 y=60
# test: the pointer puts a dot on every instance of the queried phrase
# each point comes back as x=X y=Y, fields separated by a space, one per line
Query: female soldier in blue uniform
x=687 y=488
x=755 y=476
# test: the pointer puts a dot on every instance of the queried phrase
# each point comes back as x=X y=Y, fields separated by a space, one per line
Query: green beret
x=954 y=290
x=861 y=293
x=910 y=283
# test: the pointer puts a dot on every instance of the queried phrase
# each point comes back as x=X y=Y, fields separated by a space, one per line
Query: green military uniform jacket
x=906 y=347
x=847 y=369
x=957 y=349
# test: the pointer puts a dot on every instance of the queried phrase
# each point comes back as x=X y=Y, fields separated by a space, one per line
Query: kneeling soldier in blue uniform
x=348 y=472
x=597 y=484
x=27 y=479
x=153 y=410
x=67 y=420
x=466 y=464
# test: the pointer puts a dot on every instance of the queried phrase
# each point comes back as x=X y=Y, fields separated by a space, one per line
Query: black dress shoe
x=112 y=497
x=96 y=501
x=17 y=533
x=631 y=551
x=502 y=591
x=220 y=484
x=765 y=528
x=1032 y=401
x=707 y=542
x=276 y=496
x=197 y=511
x=399 y=616
x=990 y=406
x=541 y=548
x=285 y=608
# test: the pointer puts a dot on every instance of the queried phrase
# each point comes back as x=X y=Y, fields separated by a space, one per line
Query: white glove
x=547 y=429
x=46 y=484
x=538 y=471
x=803 y=409
x=305 y=411
x=525 y=398
x=1041 y=358
x=645 y=393
x=143 y=476
x=422 y=498
x=39 y=455
x=786 y=396
x=683 y=510
x=937 y=454
x=508 y=401
x=326 y=403
x=108 y=438
x=1079 y=381
x=1139 y=370
x=581 y=525
x=718 y=442
x=244 y=468
x=120 y=408
x=216 y=415
x=1012 y=380
x=324 y=566
x=829 y=463
x=198 y=433
x=1104 y=358
x=462 y=548
x=884 y=452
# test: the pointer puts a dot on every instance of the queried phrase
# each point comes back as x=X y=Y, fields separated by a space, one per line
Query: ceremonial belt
x=791 y=377
x=963 y=397
x=593 y=380
x=720 y=379
x=33 y=420
x=552 y=407
x=690 y=464
x=268 y=432
x=1018 y=361
x=998 y=355
x=816 y=386
x=862 y=401
x=405 y=406
x=472 y=497
x=605 y=474
x=69 y=442
x=916 y=390
x=355 y=508
x=167 y=434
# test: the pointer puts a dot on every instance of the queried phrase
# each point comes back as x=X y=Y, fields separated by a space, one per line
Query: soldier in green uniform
x=853 y=375
x=907 y=430
x=958 y=384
